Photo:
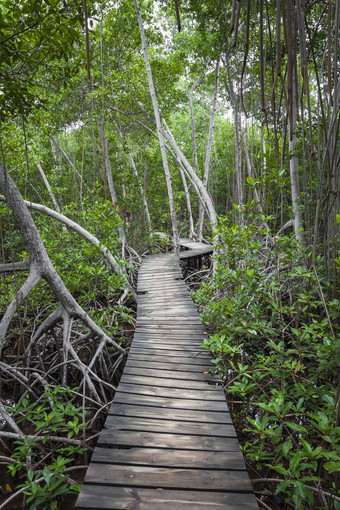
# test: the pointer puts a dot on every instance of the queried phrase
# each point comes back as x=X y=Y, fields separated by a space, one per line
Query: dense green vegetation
x=248 y=100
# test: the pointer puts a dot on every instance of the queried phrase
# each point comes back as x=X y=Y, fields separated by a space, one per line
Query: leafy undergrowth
x=275 y=338
x=50 y=410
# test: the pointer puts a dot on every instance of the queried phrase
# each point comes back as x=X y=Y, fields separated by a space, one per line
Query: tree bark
x=192 y=118
x=142 y=189
x=192 y=234
x=40 y=264
x=209 y=148
x=107 y=161
x=204 y=193
x=292 y=122
x=238 y=160
x=159 y=131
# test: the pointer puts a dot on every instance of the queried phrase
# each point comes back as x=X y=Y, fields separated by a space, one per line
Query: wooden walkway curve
x=168 y=442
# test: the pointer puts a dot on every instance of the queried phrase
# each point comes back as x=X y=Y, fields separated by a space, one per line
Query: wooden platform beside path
x=169 y=441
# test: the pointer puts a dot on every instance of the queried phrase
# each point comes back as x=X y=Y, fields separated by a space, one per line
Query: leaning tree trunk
x=192 y=234
x=67 y=222
x=193 y=176
x=159 y=131
x=40 y=266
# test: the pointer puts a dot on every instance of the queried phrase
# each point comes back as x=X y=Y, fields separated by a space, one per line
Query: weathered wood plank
x=173 y=344
x=187 y=376
x=168 y=366
x=184 y=360
x=115 y=423
x=189 y=354
x=160 y=457
x=189 y=340
x=144 y=411
x=171 y=403
x=168 y=477
x=168 y=382
x=163 y=440
x=135 y=498
x=153 y=391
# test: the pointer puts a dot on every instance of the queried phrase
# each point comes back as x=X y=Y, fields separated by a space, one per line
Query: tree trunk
x=202 y=189
x=292 y=122
x=107 y=161
x=112 y=189
x=238 y=160
x=40 y=265
x=159 y=131
x=192 y=117
x=209 y=147
x=138 y=181
x=192 y=234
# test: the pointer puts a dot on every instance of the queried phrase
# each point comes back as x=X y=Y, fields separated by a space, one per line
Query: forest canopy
x=126 y=125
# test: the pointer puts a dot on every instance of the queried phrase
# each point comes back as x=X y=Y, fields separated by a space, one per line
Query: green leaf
x=332 y=466
x=287 y=445
x=296 y=427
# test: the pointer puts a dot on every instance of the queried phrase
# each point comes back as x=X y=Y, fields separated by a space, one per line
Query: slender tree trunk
x=238 y=159
x=292 y=122
x=49 y=189
x=187 y=198
x=202 y=189
x=107 y=161
x=209 y=148
x=138 y=181
x=159 y=131
x=179 y=157
x=66 y=157
x=112 y=189
x=192 y=117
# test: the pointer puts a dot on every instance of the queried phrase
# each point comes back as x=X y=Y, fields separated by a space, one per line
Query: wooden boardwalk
x=168 y=442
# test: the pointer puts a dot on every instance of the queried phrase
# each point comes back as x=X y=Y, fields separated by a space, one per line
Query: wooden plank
x=167 y=382
x=168 y=366
x=143 y=411
x=135 y=498
x=161 y=440
x=173 y=374
x=189 y=354
x=184 y=360
x=171 y=343
x=173 y=332
x=160 y=457
x=153 y=391
x=115 y=423
x=172 y=403
x=171 y=350
x=168 y=477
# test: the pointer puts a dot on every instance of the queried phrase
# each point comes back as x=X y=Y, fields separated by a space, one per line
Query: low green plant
x=45 y=459
x=276 y=346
